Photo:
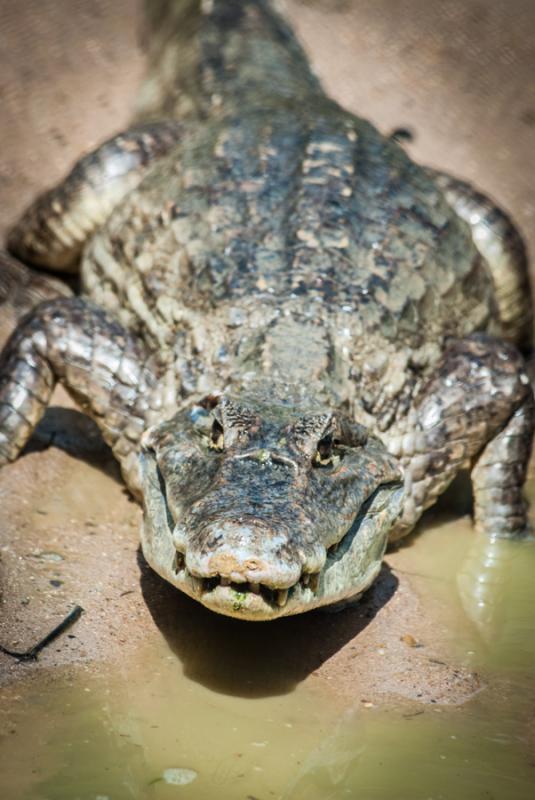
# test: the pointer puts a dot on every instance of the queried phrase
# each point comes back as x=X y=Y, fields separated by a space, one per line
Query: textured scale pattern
x=316 y=212
x=292 y=336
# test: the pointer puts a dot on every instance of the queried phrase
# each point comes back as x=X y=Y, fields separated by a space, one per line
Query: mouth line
x=256 y=601
x=272 y=596
x=275 y=598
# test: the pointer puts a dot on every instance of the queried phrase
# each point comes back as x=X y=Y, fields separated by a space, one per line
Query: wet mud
x=424 y=676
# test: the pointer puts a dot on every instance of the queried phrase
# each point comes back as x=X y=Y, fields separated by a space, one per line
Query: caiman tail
x=205 y=55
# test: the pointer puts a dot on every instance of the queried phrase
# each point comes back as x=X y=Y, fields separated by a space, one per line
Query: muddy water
x=145 y=728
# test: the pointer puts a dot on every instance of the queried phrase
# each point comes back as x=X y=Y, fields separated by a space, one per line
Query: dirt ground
x=70 y=536
x=460 y=75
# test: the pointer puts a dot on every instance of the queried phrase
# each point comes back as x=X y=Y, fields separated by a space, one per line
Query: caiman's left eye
x=324 y=453
x=217 y=439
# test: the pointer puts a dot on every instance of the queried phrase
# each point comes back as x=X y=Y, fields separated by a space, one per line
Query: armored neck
x=292 y=359
x=214 y=57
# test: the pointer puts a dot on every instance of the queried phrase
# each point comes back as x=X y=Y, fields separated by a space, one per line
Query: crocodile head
x=259 y=510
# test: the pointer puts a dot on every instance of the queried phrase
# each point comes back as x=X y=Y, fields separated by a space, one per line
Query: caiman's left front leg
x=105 y=369
x=502 y=247
x=476 y=412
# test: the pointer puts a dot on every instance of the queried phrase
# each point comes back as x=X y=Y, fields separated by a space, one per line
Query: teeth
x=178 y=561
x=279 y=596
x=333 y=548
x=305 y=578
x=282 y=597
x=314 y=581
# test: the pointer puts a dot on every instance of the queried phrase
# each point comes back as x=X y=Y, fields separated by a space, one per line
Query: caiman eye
x=324 y=453
x=217 y=440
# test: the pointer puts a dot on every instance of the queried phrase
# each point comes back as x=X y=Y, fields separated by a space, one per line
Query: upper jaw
x=249 y=550
x=346 y=572
x=349 y=569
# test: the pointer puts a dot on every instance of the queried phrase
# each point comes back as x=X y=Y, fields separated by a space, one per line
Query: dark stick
x=32 y=653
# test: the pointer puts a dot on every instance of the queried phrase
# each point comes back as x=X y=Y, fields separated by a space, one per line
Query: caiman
x=291 y=336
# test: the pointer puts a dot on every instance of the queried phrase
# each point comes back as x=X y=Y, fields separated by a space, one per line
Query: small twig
x=414 y=714
x=33 y=652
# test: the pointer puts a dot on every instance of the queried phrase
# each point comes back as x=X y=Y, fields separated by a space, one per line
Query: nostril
x=235 y=569
x=253 y=564
x=241 y=549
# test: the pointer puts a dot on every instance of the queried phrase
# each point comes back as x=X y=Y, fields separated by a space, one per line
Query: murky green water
x=116 y=737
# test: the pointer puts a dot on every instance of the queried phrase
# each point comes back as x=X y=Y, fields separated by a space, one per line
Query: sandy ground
x=69 y=536
x=460 y=75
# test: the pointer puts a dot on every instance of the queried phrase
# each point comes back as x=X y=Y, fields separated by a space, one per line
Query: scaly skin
x=288 y=318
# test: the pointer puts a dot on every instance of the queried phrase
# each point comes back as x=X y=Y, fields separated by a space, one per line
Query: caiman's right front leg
x=103 y=367
x=54 y=229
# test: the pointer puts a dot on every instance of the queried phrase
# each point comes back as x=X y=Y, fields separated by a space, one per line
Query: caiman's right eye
x=217 y=439
x=324 y=453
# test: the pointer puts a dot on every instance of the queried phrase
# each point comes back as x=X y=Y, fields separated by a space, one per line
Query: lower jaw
x=345 y=575
x=248 y=605
x=254 y=607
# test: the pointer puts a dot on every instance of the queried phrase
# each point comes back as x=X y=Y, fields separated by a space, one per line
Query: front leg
x=54 y=229
x=105 y=369
x=476 y=412
x=20 y=290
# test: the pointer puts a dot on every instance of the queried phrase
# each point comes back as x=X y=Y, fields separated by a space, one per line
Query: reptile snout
x=248 y=551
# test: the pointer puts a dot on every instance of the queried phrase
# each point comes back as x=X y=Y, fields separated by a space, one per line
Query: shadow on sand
x=75 y=433
x=227 y=655
x=255 y=659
